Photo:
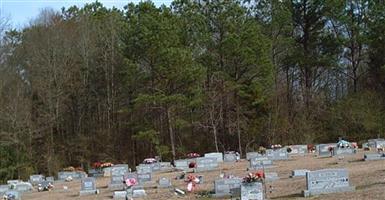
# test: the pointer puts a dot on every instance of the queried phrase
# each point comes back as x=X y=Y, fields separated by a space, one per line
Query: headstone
x=257 y=163
x=88 y=186
x=374 y=156
x=324 y=150
x=230 y=157
x=181 y=164
x=23 y=187
x=165 y=166
x=250 y=155
x=50 y=178
x=297 y=149
x=117 y=175
x=96 y=173
x=252 y=191
x=155 y=166
x=299 y=173
x=227 y=187
x=144 y=168
x=74 y=175
x=164 y=183
x=277 y=154
x=218 y=156
x=206 y=164
x=140 y=193
x=3 y=189
x=14 y=193
x=130 y=175
x=107 y=171
x=121 y=195
x=271 y=176
x=343 y=151
x=376 y=143
x=36 y=179
x=144 y=177
x=327 y=181
x=13 y=182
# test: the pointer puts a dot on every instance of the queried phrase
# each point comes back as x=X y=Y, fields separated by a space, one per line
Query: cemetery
x=286 y=176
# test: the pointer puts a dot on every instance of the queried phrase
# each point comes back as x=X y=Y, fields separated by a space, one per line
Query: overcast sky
x=20 y=12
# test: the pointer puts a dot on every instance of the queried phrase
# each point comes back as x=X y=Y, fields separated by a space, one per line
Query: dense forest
x=97 y=84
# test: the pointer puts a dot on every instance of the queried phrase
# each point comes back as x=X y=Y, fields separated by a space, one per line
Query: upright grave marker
x=36 y=179
x=144 y=168
x=257 y=163
x=227 y=187
x=277 y=154
x=218 y=156
x=325 y=150
x=297 y=149
x=88 y=186
x=230 y=157
x=164 y=183
x=181 y=164
x=343 y=151
x=327 y=181
x=252 y=191
x=117 y=175
x=144 y=177
x=206 y=164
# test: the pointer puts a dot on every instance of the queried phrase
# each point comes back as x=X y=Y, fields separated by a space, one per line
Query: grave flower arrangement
x=254 y=177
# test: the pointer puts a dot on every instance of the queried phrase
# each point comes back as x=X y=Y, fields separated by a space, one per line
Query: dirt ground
x=368 y=178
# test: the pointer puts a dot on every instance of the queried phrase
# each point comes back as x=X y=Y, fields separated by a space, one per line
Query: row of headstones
x=317 y=182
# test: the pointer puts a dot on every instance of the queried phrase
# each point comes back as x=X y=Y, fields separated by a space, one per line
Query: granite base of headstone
x=252 y=191
x=327 y=181
x=227 y=188
x=88 y=186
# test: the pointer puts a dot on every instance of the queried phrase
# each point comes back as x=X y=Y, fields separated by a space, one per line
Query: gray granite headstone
x=277 y=154
x=14 y=193
x=250 y=155
x=327 y=181
x=3 y=189
x=227 y=187
x=155 y=166
x=74 y=175
x=257 y=163
x=144 y=177
x=376 y=143
x=140 y=193
x=206 y=164
x=117 y=176
x=374 y=156
x=144 y=168
x=343 y=151
x=324 y=150
x=12 y=182
x=165 y=166
x=50 y=178
x=36 y=179
x=297 y=149
x=88 y=186
x=164 y=183
x=121 y=195
x=23 y=187
x=181 y=164
x=217 y=155
x=230 y=157
x=252 y=191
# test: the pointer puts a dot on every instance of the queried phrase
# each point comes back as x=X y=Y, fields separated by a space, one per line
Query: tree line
x=104 y=84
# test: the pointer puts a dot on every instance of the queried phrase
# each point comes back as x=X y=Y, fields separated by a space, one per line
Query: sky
x=20 y=12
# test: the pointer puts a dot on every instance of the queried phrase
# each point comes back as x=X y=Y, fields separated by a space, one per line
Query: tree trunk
x=171 y=132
